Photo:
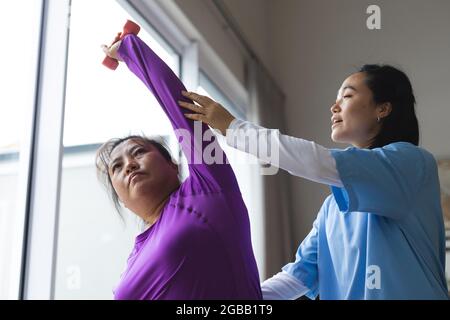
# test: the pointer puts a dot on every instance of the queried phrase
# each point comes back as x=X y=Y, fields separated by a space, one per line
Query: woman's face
x=354 y=115
x=138 y=170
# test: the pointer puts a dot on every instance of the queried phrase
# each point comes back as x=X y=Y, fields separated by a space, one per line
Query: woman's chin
x=335 y=137
x=338 y=138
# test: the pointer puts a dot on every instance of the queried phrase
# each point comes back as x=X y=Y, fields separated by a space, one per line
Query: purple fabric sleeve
x=166 y=87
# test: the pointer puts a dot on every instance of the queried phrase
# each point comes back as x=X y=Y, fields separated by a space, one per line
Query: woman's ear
x=384 y=109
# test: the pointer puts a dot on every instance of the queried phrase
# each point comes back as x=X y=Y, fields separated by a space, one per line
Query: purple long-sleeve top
x=200 y=247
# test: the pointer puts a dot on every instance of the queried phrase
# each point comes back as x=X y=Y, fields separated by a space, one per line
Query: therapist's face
x=354 y=114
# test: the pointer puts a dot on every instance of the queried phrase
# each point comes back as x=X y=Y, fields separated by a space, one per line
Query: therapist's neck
x=363 y=144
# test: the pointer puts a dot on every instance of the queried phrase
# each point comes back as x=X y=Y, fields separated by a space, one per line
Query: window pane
x=18 y=65
x=213 y=91
x=246 y=169
x=93 y=243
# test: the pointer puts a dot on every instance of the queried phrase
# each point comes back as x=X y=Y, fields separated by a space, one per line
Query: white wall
x=252 y=17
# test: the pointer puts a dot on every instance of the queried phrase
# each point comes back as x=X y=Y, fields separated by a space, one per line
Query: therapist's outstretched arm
x=299 y=157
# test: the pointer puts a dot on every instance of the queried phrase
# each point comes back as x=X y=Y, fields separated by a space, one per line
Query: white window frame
x=24 y=158
x=47 y=153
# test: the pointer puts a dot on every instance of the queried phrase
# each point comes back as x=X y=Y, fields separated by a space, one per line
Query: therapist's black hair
x=389 y=84
x=103 y=159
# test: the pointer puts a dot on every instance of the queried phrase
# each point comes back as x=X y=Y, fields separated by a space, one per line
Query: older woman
x=197 y=244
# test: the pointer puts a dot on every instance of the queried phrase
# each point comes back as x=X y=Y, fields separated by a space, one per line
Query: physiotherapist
x=380 y=233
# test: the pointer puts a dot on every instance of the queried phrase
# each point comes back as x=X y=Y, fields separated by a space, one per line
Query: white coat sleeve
x=283 y=286
x=299 y=157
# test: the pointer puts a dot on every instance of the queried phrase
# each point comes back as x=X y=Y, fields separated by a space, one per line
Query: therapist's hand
x=208 y=111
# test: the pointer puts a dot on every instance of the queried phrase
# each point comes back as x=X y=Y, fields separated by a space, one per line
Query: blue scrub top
x=382 y=235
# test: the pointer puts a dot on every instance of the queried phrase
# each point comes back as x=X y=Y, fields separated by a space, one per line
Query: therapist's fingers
x=192 y=107
x=201 y=100
x=209 y=111
x=196 y=117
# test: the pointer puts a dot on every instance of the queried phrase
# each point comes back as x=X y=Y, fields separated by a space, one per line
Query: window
x=245 y=167
x=93 y=243
x=86 y=256
x=18 y=62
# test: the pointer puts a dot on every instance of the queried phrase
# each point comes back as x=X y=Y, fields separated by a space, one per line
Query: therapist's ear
x=384 y=110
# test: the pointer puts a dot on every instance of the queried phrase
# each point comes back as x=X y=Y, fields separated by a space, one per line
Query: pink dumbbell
x=129 y=28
